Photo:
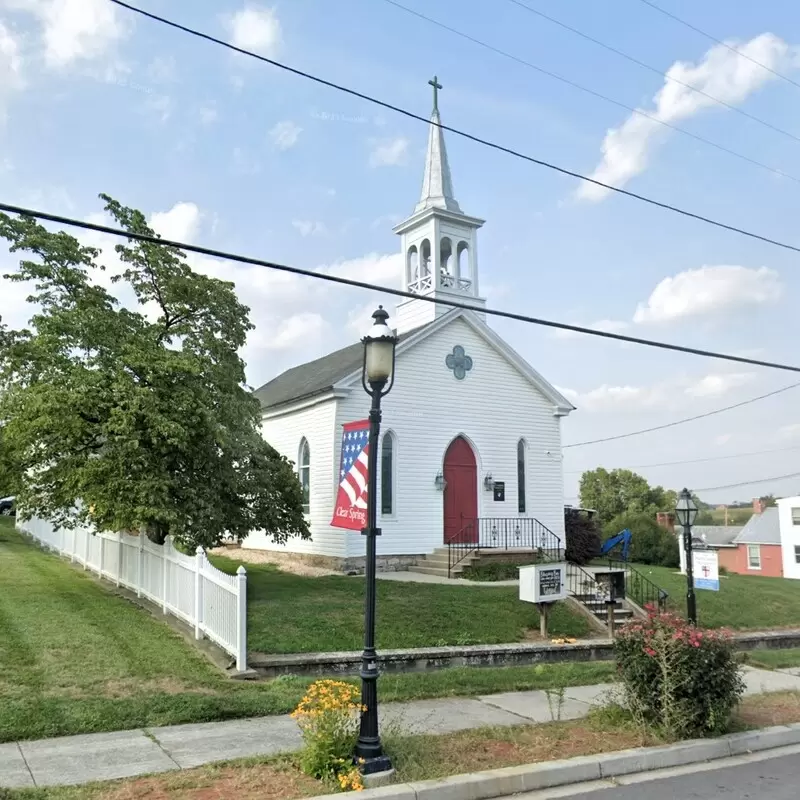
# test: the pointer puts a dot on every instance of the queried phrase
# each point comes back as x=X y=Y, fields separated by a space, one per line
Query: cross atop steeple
x=436 y=86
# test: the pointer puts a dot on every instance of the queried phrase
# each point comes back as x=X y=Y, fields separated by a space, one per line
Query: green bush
x=680 y=681
x=650 y=543
x=582 y=534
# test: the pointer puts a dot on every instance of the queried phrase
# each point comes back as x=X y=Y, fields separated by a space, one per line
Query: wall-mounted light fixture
x=488 y=482
x=439 y=481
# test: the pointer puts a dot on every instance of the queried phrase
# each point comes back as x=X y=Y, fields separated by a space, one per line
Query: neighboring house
x=466 y=414
x=757 y=547
x=789 y=518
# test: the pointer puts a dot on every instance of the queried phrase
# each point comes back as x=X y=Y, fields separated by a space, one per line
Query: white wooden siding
x=790 y=536
x=317 y=424
x=493 y=407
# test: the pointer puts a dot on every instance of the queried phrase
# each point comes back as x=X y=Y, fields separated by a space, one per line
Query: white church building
x=471 y=433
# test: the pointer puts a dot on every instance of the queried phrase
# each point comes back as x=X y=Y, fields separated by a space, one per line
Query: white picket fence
x=188 y=587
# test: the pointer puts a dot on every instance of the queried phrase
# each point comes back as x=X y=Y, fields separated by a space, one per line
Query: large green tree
x=618 y=491
x=139 y=418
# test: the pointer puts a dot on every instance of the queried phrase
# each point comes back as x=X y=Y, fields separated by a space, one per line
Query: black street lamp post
x=686 y=512
x=377 y=378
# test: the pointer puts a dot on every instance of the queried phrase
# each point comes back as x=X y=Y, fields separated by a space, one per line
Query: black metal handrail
x=639 y=589
x=499 y=533
x=581 y=583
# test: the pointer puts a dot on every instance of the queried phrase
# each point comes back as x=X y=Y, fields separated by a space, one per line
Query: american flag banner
x=351 y=500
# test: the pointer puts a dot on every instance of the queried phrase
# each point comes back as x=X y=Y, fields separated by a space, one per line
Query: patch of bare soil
x=295 y=566
x=262 y=781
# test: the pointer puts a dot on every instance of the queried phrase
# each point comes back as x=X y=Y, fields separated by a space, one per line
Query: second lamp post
x=377 y=378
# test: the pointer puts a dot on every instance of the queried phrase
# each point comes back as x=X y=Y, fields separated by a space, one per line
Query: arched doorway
x=460 y=492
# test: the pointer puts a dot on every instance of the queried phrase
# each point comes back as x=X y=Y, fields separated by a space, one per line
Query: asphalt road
x=770 y=779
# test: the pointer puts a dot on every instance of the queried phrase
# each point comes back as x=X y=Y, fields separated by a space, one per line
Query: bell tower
x=439 y=241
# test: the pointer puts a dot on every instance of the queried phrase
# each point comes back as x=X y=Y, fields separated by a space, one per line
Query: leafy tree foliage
x=140 y=419
x=619 y=490
x=650 y=543
x=582 y=536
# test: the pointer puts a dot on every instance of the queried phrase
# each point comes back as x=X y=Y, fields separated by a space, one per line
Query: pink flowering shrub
x=683 y=681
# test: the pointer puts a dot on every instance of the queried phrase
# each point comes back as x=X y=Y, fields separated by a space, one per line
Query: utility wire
x=457 y=132
x=747 y=483
x=682 y=421
x=657 y=71
x=227 y=256
x=718 y=41
x=696 y=460
x=592 y=92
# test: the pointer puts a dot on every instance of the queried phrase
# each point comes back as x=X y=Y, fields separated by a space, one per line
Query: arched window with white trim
x=388 y=456
x=304 y=472
x=521 y=504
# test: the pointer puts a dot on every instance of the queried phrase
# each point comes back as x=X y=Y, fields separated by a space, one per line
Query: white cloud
x=723 y=439
x=715 y=385
x=721 y=74
x=75 y=30
x=607 y=325
x=299 y=329
x=180 y=224
x=256 y=29
x=10 y=67
x=208 y=114
x=285 y=134
x=385 y=221
x=709 y=291
x=790 y=431
x=673 y=394
x=307 y=227
x=389 y=152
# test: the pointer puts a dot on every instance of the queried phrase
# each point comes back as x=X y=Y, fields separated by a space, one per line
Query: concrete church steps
x=436 y=563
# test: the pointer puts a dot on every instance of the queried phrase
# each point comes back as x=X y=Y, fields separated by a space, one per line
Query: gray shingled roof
x=315 y=377
x=716 y=534
x=761 y=528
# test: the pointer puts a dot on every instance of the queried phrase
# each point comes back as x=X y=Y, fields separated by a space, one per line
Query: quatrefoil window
x=459 y=362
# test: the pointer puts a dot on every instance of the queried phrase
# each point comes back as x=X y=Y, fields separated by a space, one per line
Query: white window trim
x=521 y=440
x=393 y=515
x=795 y=516
x=749 y=560
x=300 y=467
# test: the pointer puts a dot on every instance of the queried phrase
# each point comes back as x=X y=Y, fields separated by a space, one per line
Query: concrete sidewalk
x=73 y=760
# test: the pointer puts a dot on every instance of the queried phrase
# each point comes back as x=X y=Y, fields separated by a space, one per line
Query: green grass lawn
x=743 y=602
x=292 y=614
x=75 y=658
x=774 y=659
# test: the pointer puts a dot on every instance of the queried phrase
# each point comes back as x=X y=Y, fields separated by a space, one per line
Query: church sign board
x=543 y=583
x=705 y=565
x=350 y=510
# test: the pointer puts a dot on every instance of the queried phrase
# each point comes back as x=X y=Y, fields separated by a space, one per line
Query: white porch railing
x=188 y=587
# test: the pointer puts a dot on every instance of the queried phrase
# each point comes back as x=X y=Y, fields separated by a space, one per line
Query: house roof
x=314 y=377
x=716 y=534
x=761 y=528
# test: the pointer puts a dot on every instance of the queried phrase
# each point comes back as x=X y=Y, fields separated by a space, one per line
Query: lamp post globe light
x=686 y=512
x=377 y=378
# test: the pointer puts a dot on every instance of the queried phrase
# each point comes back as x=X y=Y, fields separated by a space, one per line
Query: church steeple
x=437 y=183
x=439 y=240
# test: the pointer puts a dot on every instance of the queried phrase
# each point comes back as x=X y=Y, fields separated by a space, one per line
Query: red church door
x=460 y=493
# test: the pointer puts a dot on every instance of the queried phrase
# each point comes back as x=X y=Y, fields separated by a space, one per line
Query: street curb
x=549 y=774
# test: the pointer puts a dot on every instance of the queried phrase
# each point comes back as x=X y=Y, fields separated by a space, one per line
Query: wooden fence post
x=241 y=619
x=86 y=551
x=102 y=553
x=199 y=563
x=119 y=556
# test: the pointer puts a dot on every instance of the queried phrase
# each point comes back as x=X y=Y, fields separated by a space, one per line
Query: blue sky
x=236 y=154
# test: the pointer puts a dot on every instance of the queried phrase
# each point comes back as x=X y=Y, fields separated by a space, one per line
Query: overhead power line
x=682 y=421
x=594 y=93
x=747 y=483
x=457 y=132
x=697 y=460
x=657 y=71
x=258 y=262
x=719 y=41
